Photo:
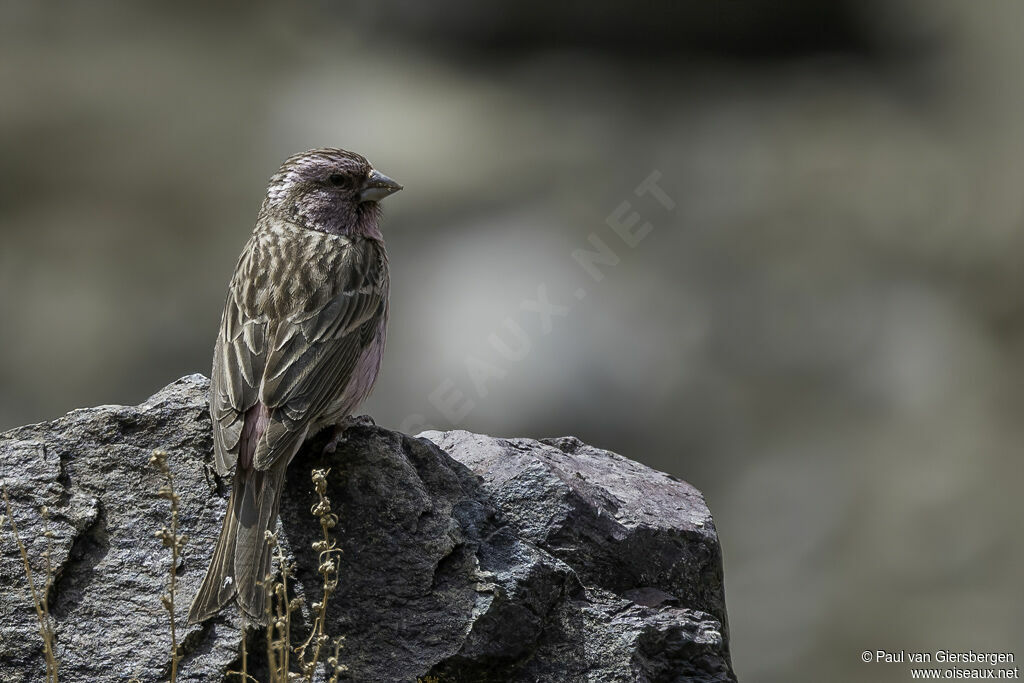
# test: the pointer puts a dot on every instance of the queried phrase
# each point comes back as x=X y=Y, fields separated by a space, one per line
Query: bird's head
x=331 y=190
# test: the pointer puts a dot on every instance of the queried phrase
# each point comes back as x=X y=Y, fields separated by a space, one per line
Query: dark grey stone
x=467 y=558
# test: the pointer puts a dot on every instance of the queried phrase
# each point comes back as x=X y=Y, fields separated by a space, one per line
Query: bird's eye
x=336 y=179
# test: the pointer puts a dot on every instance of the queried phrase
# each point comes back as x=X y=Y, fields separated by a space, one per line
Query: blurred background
x=825 y=334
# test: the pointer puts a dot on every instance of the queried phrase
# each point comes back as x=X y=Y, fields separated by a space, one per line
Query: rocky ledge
x=466 y=558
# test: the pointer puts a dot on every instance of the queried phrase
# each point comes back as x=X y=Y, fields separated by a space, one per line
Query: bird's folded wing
x=238 y=356
x=297 y=362
x=312 y=357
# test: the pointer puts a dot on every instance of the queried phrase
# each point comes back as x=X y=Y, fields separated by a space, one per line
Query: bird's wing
x=238 y=359
x=311 y=357
x=298 y=337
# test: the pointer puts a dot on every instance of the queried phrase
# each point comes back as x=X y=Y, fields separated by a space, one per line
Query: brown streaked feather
x=215 y=591
x=291 y=337
x=259 y=502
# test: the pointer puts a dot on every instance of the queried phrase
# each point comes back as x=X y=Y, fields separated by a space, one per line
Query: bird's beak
x=377 y=187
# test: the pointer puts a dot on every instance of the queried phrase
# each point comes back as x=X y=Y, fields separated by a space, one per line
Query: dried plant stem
x=277 y=608
x=277 y=611
x=171 y=539
x=243 y=675
x=245 y=653
x=334 y=661
x=284 y=612
x=171 y=589
x=328 y=569
x=41 y=606
x=268 y=616
x=45 y=512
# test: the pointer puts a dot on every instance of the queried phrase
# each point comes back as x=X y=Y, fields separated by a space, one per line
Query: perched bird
x=299 y=347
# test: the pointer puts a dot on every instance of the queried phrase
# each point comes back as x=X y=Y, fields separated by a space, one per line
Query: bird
x=299 y=347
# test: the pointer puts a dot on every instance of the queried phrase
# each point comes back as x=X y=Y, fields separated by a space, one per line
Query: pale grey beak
x=377 y=187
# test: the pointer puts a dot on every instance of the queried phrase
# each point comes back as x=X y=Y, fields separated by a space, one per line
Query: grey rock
x=466 y=558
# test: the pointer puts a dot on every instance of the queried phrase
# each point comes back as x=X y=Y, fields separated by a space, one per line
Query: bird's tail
x=242 y=557
x=257 y=514
x=218 y=587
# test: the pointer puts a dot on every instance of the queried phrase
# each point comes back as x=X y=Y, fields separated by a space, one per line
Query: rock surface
x=466 y=558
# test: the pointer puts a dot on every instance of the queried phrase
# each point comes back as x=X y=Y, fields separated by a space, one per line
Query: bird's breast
x=360 y=382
